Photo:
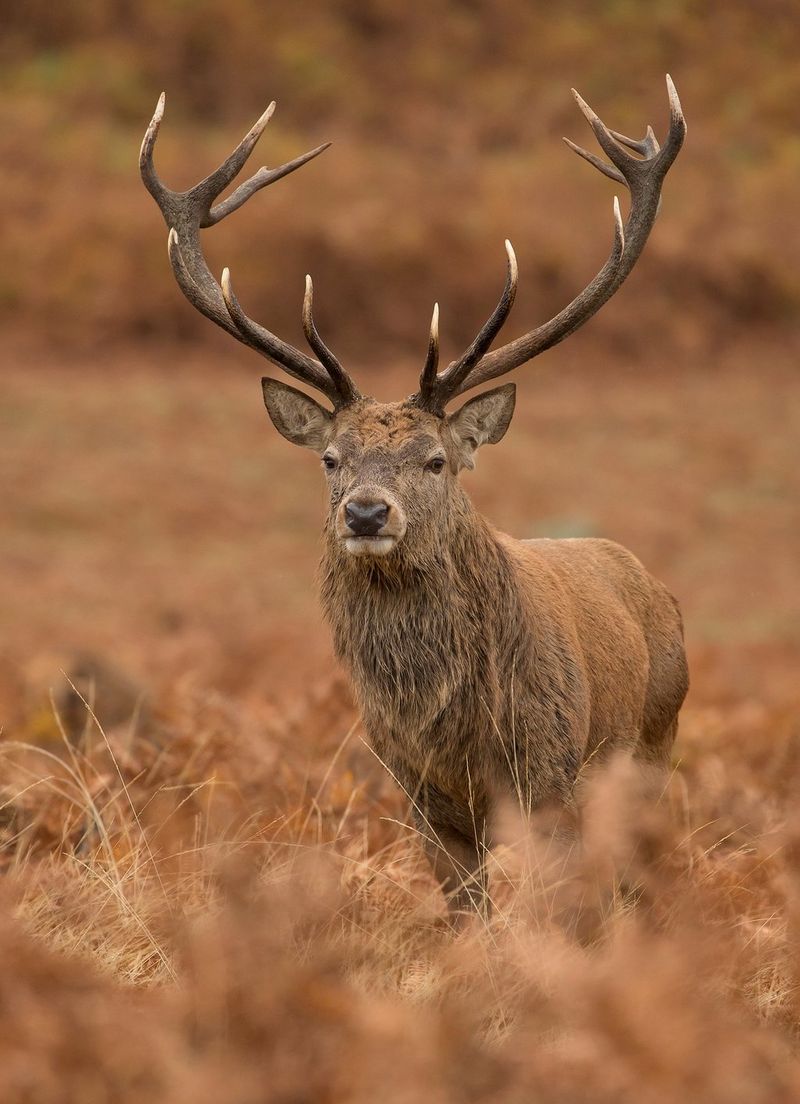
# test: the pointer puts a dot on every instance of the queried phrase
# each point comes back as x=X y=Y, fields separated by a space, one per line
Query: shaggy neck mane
x=420 y=625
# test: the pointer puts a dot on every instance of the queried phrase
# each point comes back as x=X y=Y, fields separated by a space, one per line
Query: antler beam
x=643 y=175
x=186 y=213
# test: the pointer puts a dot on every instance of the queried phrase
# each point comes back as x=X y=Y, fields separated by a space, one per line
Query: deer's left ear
x=482 y=420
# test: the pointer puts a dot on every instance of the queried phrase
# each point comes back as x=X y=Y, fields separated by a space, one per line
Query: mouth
x=370 y=546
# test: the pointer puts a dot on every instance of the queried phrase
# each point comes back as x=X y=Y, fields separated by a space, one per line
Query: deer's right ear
x=296 y=416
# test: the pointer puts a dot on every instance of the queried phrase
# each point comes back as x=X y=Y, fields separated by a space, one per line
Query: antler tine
x=199 y=286
x=258 y=180
x=605 y=138
x=344 y=386
x=643 y=176
x=437 y=390
x=647 y=146
x=427 y=380
x=598 y=162
x=216 y=182
x=677 y=126
x=186 y=213
x=146 y=167
x=269 y=345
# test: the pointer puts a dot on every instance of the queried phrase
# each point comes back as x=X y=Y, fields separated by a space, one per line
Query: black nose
x=366 y=519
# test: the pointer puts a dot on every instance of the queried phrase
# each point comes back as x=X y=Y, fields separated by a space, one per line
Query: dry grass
x=218 y=907
x=211 y=891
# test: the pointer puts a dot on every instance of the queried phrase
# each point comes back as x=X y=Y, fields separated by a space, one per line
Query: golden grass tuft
x=215 y=905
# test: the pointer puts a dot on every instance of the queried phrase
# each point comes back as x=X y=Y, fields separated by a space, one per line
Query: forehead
x=390 y=426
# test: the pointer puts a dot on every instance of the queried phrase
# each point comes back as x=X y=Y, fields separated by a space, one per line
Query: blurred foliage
x=224 y=905
x=446 y=117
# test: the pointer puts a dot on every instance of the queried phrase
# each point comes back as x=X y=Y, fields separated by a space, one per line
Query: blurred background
x=151 y=518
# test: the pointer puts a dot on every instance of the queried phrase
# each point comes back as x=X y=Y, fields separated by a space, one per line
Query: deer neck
x=416 y=628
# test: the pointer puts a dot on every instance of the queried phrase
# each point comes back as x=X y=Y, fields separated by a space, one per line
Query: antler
x=186 y=213
x=643 y=176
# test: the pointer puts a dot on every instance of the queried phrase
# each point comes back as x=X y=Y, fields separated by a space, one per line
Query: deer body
x=484 y=665
x=509 y=678
x=489 y=667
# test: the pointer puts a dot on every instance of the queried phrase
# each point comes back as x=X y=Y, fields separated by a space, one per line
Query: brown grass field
x=209 y=889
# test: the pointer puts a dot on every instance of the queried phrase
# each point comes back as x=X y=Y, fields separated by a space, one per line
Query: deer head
x=392 y=467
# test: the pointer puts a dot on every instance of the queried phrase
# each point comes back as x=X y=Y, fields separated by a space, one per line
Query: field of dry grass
x=209 y=888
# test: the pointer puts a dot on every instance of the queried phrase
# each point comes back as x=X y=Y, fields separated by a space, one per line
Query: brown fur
x=486 y=665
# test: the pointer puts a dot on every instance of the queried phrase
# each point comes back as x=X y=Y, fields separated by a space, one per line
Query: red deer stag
x=483 y=664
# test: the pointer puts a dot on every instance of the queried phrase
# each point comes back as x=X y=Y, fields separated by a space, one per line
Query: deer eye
x=435 y=465
x=330 y=463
